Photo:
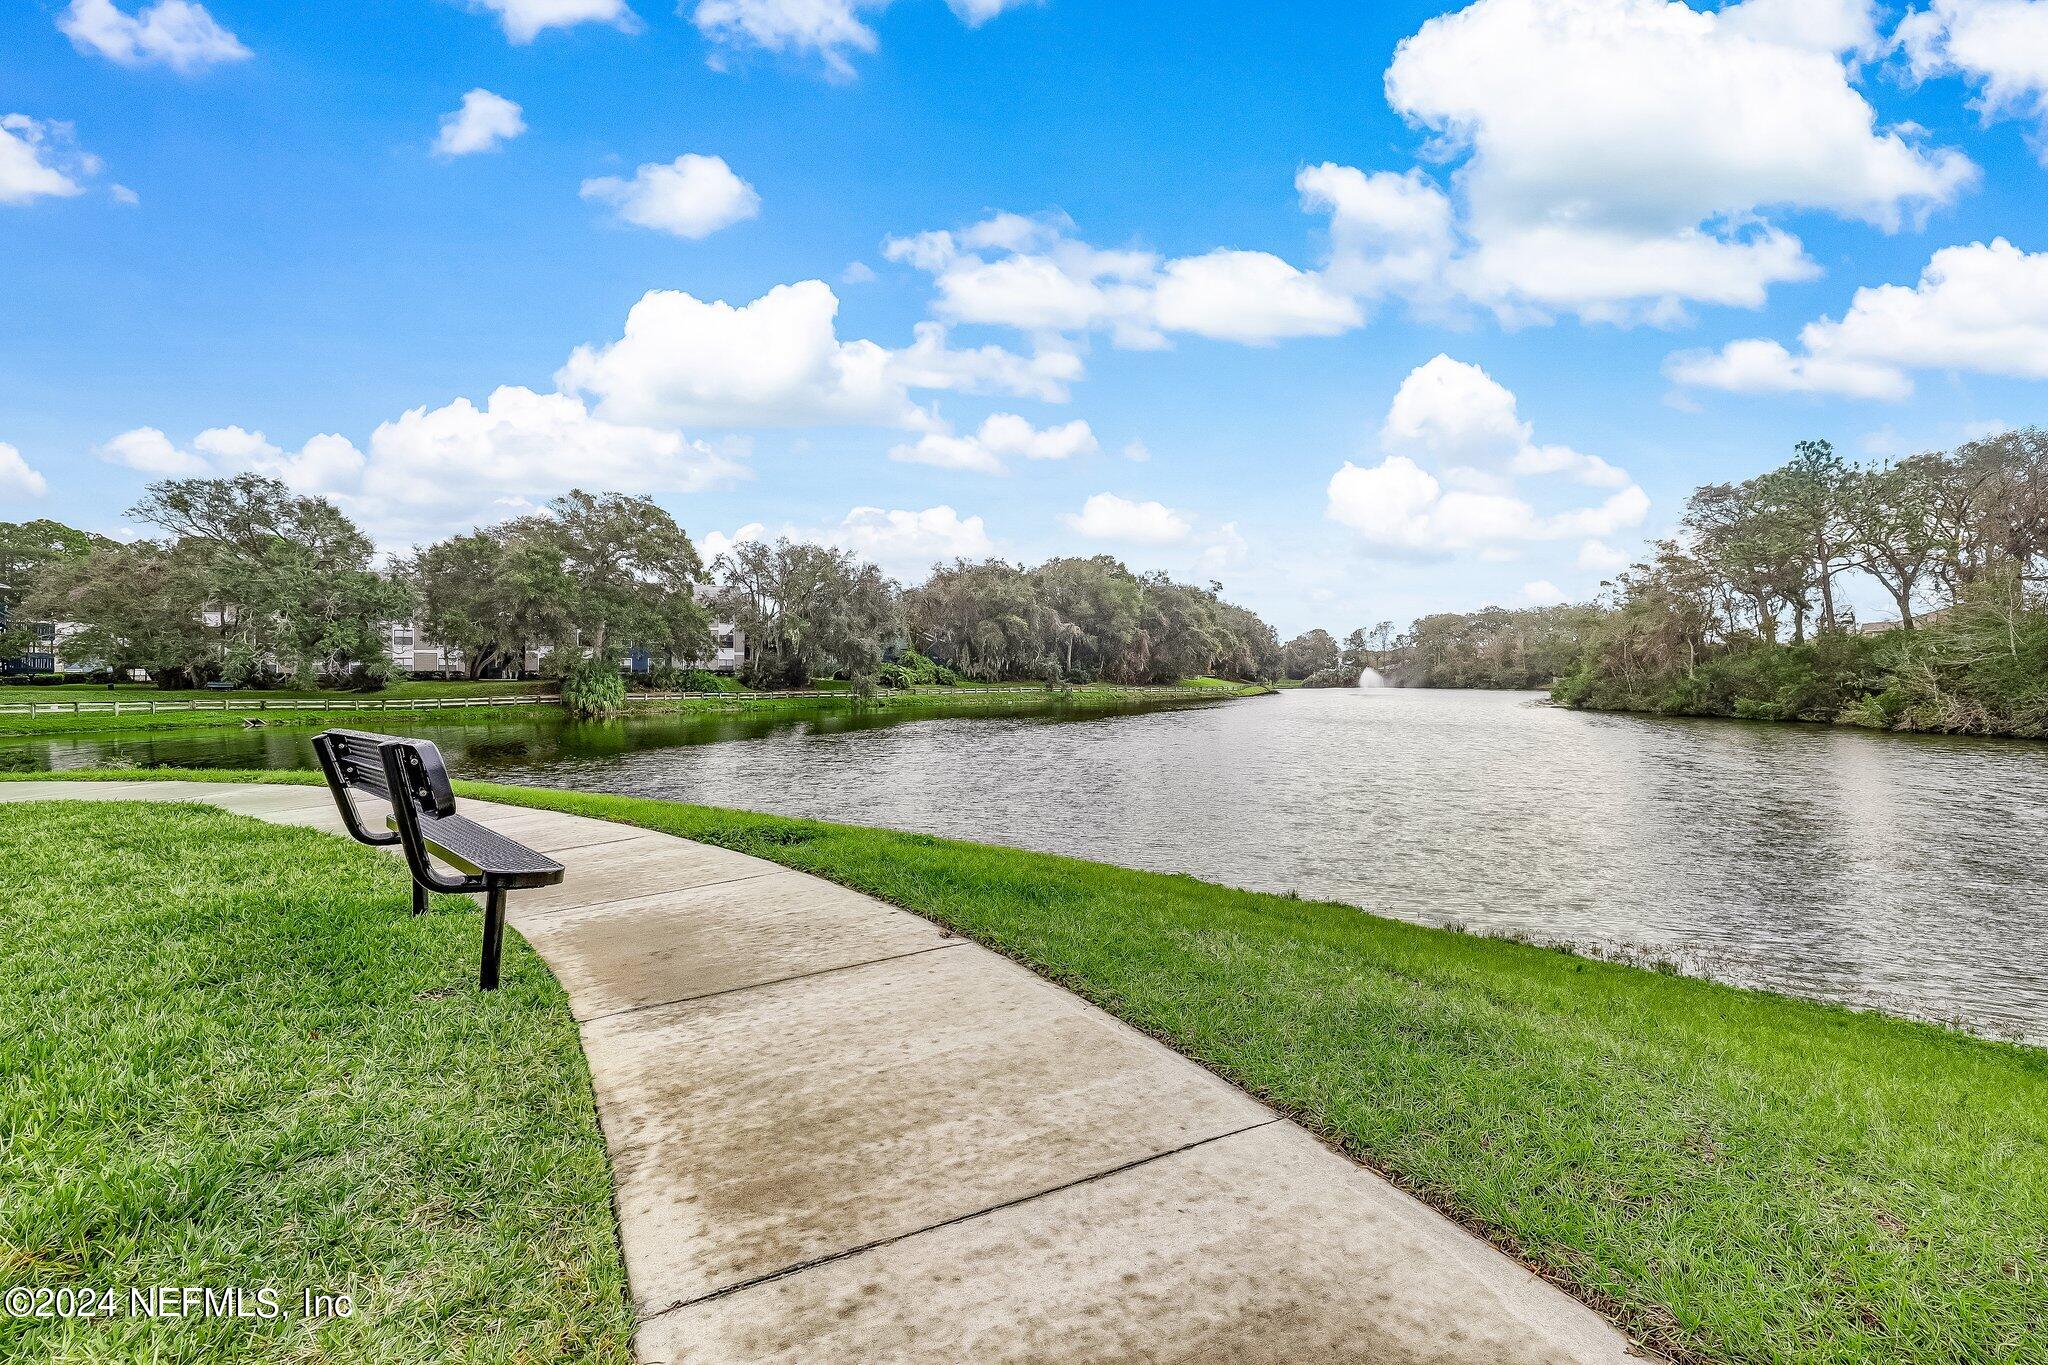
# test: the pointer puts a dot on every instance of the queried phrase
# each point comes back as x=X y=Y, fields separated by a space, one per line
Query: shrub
x=1332 y=677
x=702 y=680
x=912 y=669
x=244 y=669
x=1879 y=711
x=1574 y=688
x=592 y=689
x=371 y=675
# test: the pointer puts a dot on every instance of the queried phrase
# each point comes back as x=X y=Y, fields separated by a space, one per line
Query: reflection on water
x=1876 y=869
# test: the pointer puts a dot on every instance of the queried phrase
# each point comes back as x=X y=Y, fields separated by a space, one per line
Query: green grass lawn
x=1732 y=1176
x=348 y=708
x=230 y=1057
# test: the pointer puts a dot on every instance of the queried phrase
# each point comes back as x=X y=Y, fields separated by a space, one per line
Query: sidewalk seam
x=778 y=981
x=881 y=1242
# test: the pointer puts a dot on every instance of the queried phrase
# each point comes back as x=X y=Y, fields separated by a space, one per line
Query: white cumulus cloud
x=975 y=13
x=1620 y=156
x=1981 y=307
x=1599 y=557
x=1389 y=232
x=831 y=30
x=905 y=543
x=1108 y=517
x=622 y=416
x=172 y=33
x=147 y=449
x=525 y=20
x=1461 y=418
x=1003 y=436
x=1249 y=296
x=233 y=445
x=2000 y=46
x=932 y=362
x=1457 y=418
x=432 y=467
x=715 y=545
x=534 y=444
x=39 y=159
x=17 y=479
x=779 y=362
x=1031 y=274
x=692 y=196
x=484 y=123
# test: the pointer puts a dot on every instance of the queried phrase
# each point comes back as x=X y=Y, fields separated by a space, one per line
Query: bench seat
x=481 y=851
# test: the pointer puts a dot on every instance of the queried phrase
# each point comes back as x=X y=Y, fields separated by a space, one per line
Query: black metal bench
x=410 y=775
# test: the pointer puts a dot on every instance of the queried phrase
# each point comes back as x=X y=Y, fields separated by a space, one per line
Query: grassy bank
x=229 y=1057
x=374 y=710
x=1732 y=1175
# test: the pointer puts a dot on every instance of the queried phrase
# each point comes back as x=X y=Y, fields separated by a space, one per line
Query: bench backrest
x=396 y=769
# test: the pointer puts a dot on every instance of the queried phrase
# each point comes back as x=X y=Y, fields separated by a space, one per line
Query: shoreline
x=1836 y=723
x=1551 y=699
x=255 y=716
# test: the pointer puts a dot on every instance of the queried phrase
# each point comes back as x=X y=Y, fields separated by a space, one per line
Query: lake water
x=1895 y=871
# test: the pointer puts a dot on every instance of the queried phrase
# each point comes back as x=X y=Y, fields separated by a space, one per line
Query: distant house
x=729 y=649
x=46 y=650
x=42 y=651
x=1925 y=618
x=414 y=651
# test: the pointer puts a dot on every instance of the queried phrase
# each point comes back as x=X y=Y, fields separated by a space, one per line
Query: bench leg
x=494 y=938
x=419 y=899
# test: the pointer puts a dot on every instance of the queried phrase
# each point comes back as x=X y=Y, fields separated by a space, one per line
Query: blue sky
x=1234 y=242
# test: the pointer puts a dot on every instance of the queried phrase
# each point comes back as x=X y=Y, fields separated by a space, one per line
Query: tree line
x=1746 y=610
x=248 y=583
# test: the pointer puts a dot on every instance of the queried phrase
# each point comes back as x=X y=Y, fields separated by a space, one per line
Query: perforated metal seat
x=481 y=851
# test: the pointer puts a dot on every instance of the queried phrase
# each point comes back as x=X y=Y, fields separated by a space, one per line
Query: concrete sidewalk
x=841 y=1134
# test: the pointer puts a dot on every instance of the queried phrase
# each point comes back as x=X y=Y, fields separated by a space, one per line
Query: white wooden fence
x=153 y=706
x=117 y=707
